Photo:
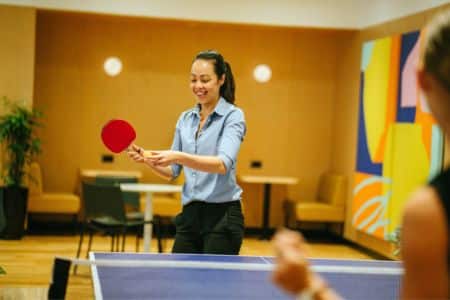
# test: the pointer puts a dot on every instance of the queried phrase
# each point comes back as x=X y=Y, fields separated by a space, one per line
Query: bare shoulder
x=423 y=205
x=424 y=246
x=424 y=224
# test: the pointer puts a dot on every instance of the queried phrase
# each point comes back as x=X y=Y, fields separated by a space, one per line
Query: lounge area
x=247 y=120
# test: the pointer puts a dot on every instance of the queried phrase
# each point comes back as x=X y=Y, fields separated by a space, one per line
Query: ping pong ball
x=147 y=153
x=112 y=66
x=262 y=73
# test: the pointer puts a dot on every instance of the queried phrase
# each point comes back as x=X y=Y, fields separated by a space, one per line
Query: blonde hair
x=436 y=48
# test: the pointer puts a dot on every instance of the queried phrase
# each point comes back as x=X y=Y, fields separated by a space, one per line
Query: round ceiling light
x=262 y=73
x=112 y=66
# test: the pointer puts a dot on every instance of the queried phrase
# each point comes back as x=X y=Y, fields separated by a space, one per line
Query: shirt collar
x=221 y=108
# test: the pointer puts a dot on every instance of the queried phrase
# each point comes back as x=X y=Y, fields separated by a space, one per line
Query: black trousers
x=213 y=228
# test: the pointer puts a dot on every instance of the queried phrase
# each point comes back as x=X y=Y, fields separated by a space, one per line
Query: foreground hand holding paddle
x=138 y=154
x=164 y=158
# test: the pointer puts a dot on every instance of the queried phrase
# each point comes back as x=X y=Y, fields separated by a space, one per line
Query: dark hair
x=221 y=67
x=436 y=56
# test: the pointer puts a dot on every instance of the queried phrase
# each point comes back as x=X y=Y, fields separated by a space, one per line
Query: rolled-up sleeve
x=176 y=146
x=232 y=137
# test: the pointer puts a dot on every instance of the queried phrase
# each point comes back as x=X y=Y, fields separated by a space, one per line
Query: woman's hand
x=163 y=158
x=136 y=153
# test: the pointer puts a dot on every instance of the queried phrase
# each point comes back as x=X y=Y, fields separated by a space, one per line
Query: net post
x=60 y=277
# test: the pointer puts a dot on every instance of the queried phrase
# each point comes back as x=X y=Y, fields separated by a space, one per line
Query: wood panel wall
x=17 y=36
x=302 y=123
x=289 y=119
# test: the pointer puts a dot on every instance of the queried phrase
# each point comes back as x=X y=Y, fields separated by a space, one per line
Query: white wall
x=353 y=14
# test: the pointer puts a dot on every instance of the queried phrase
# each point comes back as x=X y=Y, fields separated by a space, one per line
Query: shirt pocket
x=187 y=142
x=207 y=144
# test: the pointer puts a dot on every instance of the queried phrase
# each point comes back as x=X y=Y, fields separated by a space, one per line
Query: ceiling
x=348 y=14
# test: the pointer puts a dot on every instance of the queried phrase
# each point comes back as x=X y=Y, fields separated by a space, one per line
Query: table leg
x=266 y=213
x=148 y=226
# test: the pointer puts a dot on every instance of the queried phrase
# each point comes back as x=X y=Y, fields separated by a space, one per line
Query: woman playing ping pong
x=426 y=219
x=206 y=145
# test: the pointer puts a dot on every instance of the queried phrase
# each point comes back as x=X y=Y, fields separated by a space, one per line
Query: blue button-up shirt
x=221 y=136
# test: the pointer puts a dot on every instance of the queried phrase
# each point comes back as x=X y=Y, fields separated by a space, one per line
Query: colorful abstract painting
x=399 y=144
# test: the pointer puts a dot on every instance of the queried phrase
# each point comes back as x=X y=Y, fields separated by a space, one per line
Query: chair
x=131 y=199
x=104 y=211
x=49 y=203
x=132 y=202
x=328 y=207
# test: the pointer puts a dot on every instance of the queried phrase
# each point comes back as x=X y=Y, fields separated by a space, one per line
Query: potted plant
x=395 y=238
x=17 y=135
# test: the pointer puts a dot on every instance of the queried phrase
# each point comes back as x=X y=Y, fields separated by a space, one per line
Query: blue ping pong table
x=185 y=283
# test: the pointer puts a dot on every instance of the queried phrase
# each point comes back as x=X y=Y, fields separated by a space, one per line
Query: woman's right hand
x=136 y=153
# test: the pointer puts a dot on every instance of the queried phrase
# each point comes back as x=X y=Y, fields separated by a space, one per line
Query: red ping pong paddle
x=117 y=135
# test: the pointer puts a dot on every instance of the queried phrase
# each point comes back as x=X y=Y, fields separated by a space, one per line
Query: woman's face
x=438 y=98
x=436 y=95
x=204 y=82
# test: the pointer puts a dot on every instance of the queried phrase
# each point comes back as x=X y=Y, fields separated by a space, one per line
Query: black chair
x=104 y=211
x=132 y=200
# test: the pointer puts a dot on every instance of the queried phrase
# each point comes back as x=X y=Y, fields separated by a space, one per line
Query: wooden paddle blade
x=117 y=135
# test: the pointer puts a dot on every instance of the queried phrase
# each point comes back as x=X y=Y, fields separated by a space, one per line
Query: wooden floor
x=28 y=262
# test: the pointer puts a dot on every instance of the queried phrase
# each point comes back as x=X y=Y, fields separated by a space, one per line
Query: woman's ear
x=423 y=80
x=222 y=80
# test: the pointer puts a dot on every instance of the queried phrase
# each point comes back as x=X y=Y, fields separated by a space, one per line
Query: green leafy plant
x=394 y=238
x=2 y=271
x=17 y=133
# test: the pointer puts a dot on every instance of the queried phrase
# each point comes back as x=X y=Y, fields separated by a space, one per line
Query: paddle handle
x=145 y=153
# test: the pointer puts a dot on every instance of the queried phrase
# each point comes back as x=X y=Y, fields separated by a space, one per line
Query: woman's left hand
x=163 y=158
